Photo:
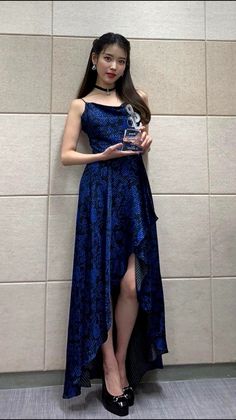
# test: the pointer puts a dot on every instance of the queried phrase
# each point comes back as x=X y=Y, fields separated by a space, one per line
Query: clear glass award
x=132 y=136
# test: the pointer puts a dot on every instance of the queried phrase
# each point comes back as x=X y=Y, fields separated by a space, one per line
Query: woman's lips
x=111 y=75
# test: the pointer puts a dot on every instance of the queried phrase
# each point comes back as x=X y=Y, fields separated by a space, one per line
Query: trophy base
x=132 y=140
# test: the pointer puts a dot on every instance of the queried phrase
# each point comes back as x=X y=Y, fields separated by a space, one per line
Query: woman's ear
x=94 y=58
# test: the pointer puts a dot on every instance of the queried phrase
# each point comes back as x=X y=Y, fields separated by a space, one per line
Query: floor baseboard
x=169 y=373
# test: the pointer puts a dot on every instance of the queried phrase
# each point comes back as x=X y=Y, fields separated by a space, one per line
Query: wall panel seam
x=48 y=200
x=209 y=190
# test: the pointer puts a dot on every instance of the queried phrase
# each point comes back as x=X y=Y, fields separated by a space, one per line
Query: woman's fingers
x=115 y=151
x=142 y=127
x=146 y=144
x=115 y=146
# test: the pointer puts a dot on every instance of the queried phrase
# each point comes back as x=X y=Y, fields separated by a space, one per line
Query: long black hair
x=124 y=85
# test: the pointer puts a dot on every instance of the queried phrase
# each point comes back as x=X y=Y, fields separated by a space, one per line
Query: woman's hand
x=113 y=152
x=146 y=140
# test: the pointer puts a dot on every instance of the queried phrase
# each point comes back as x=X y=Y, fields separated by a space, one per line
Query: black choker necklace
x=107 y=90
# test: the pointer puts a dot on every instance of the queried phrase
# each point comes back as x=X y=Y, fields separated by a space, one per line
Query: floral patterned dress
x=115 y=218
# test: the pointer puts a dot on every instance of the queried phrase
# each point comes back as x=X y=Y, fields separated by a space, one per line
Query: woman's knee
x=128 y=286
x=128 y=283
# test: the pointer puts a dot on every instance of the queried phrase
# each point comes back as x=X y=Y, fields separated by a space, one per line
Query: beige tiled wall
x=184 y=56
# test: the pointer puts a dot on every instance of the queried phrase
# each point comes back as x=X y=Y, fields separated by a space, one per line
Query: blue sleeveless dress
x=115 y=218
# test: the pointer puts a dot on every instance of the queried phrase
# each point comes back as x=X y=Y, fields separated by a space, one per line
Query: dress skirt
x=115 y=218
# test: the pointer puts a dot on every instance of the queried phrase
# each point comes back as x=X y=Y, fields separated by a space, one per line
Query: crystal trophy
x=132 y=136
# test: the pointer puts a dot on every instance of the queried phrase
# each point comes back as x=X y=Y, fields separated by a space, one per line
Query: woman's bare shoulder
x=77 y=106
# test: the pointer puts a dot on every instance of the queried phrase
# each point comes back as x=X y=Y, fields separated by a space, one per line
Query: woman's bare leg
x=110 y=367
x=125 y=316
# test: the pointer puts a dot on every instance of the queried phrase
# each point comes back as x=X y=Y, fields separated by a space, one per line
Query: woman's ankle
x=122 y=372
x=110 y=365
x=112 y=379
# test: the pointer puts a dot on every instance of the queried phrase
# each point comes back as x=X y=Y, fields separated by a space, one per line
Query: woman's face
x=110 y=64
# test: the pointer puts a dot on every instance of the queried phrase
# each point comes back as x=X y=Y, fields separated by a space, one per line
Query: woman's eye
x=122 y=61
x=107 y=58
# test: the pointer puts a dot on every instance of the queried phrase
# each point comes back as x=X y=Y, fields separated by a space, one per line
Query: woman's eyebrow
x=111 y=55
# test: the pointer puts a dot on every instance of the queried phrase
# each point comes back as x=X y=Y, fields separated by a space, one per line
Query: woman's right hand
x=113 y=152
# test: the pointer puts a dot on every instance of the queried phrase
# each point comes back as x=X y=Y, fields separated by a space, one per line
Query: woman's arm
x=146 y=138
x=69 y=155
x=144 y=97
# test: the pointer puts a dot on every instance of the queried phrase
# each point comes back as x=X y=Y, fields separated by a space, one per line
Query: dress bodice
x=104 y=124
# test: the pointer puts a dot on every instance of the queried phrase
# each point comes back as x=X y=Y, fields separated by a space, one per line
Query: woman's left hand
x=146 y=140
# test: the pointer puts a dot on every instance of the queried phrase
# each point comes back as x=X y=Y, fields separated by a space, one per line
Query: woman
x=116 y=325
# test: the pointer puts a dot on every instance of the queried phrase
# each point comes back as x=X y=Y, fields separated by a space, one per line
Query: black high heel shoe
x=129 y=395
x=115 y=404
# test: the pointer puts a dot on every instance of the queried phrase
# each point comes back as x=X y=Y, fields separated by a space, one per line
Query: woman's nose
x=113 y=64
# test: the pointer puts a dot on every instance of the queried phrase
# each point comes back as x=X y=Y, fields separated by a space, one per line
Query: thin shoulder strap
x=83 y=100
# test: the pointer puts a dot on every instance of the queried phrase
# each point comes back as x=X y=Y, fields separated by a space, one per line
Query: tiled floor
x=183 y=399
